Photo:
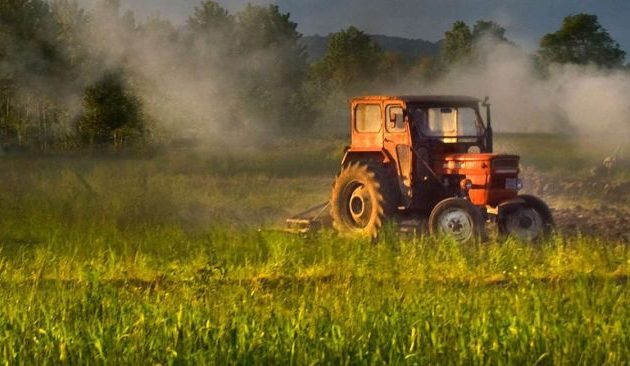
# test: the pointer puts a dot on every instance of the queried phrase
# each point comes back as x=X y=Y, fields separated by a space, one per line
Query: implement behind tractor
x=430 y=159
x=309 y=220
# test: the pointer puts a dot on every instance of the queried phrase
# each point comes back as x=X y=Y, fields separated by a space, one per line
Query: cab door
x=367 y=129
x=397 y=142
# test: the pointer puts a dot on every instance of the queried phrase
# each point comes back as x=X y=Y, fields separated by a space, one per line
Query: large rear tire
x=458 y=219
x=362 y=200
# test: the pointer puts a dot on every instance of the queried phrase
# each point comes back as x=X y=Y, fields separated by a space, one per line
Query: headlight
x=514 y=184
x=466 y=184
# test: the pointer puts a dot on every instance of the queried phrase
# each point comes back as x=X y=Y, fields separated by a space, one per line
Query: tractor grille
x=505 y=166
x=498 y=182
x=504 y=172
x=503 y=182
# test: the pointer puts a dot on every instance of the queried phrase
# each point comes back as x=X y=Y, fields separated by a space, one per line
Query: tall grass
x=243 y=297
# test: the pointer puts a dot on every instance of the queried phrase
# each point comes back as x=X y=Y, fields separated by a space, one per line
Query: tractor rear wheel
x=457 y=218
x=529 y=221
x=362 y=200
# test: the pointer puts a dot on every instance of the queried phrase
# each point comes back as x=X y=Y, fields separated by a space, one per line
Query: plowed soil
x=593 y=206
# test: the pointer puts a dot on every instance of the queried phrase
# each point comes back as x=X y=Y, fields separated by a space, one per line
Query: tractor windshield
x=448 y=124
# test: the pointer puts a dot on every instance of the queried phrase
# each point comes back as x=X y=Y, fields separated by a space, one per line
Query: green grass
x=243 y=297
x=159 y=261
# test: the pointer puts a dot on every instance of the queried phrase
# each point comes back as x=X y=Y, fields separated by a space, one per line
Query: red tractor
x=431 y=158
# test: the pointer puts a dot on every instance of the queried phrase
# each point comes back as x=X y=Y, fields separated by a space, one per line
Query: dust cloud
x=568 y=99
x=191 y=85
x=191 y=89
x=186 y=87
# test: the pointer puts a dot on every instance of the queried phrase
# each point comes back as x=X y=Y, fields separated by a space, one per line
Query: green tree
x=72 y=24
x=210 y=34
x=271 y=67
x=35 y=70
x=461 y=43
x=581 y=40
x=28 y=38
x=488 y=29
x=112 y=112
x=352 y=59
x=457 y=44
x=210 y=18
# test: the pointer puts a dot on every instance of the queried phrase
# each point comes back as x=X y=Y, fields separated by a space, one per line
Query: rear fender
x=529 y=201
x=511 y=204
x=378 y=157
x=383 y=158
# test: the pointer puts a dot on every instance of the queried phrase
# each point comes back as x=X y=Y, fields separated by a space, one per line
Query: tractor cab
x=447 y=124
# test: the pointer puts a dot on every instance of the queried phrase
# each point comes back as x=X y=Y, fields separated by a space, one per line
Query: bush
x=112 y=113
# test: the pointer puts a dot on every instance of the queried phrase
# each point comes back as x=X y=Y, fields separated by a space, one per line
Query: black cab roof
x=424 y=99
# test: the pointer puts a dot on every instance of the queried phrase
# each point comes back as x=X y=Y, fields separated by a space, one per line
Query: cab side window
x=395 y=120
x=368 y=117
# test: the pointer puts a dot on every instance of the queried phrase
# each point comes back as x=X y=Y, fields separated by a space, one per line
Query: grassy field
x=160 y=260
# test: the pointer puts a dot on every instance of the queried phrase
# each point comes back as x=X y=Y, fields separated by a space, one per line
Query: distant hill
x=410 y=48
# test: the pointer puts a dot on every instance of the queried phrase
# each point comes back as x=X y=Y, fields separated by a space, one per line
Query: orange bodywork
x=493 y=175
x=489 y=174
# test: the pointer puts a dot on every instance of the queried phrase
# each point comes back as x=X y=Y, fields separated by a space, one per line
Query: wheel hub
x=359 y=207
x=356 y=205
x=457 y=223
x=525 y=224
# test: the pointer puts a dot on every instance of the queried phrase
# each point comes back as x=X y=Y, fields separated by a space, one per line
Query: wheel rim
x=358 y=208
x=456 y=223
x=525 y=224
x=357 y=204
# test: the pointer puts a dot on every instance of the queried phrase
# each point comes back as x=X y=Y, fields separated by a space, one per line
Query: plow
x=313 y=219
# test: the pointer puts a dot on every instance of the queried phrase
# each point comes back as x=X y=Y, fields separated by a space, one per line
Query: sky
x=525 y=20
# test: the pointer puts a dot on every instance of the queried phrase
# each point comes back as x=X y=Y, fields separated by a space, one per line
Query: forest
x=74 y=78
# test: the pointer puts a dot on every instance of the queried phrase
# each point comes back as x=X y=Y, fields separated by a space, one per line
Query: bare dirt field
x=593 y=206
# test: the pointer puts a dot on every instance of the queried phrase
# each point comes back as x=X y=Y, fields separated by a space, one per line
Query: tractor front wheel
x=458 y=219
x=362 y=200
x=528 y=221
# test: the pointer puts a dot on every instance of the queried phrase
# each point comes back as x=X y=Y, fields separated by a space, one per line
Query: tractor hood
x=461 y=163
x=477 y=157
x=494 y=177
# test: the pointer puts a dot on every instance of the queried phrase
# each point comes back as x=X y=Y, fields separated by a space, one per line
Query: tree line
x=71 y=78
